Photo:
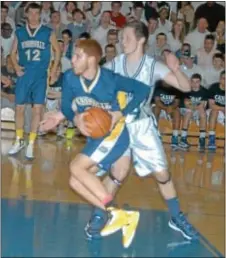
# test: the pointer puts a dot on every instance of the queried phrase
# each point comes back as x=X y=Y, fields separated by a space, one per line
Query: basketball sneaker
x=96 y=224
x=70 y=133
x=17 y=146
x=181 y=224
x=212 y=142
x=184 y=143
x=118 y=219
x=129 y=230
x=30 y=151
x=202 y=143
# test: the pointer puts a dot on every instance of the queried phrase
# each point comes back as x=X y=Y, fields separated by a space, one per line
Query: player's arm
x=139 y=90
x=17 y=67
x=56 y=49
x=171 y=73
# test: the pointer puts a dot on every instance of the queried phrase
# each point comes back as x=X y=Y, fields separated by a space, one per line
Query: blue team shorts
x=31 y=87
x=106 y=151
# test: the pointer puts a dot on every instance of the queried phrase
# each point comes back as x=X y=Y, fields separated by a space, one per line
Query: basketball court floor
x=42 y=217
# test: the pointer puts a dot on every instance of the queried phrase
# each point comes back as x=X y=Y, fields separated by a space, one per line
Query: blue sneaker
x=212 y=142
x=174 y=141
x=181 y=224
x=97 y=222
x=202 y=143
x=184 y=143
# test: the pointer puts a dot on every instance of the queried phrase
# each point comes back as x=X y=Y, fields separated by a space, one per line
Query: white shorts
x=146 y=147
x=220 y=118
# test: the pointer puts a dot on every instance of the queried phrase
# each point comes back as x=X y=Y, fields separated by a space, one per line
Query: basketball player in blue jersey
x=88 y=85
x=145 y=144
x=33 y=44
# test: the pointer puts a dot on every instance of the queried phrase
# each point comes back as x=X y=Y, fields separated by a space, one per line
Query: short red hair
x=91 y=47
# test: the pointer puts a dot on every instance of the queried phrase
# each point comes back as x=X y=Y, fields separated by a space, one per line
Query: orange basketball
x=100 y=121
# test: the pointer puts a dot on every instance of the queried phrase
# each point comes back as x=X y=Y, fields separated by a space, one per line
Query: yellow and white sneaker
x=116 y=222
x=129 y=229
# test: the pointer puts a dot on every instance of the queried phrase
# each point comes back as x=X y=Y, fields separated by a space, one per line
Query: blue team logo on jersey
x=103 y=149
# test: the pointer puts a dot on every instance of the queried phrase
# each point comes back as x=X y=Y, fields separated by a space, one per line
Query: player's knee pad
x=165 y=181
x=115 y=180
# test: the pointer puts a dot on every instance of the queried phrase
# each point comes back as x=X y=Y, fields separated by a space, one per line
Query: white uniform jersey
x=148 y=72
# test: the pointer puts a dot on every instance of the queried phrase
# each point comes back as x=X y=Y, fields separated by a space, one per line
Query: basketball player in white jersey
x=146 y=146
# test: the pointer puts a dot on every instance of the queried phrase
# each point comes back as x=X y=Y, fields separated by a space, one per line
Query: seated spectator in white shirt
x=161 y=44
x=164 y=25
x=56 y=25
x=176 y=37
x=100 y=34
x=205 y=54
x=5 y=17
x=136 y=13
x=152 y=29
x=65 y=62
x=7 y=37
x=77 y=26
x=212 y=75
x=188 y=66
x=93 y=16
x=197 y=36
x=186 y=13
x=66 y=14
x=113 y=39
x=12 y=9
x=47 y=9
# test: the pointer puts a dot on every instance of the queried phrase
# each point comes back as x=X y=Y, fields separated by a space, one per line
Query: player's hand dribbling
x=172 y=62
x=51 y=120
x=116 y=116
x=19 y=71
x=82 y=125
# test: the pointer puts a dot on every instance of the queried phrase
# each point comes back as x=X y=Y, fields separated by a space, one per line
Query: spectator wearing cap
x=158 y=47
x=197 y=36
x=116 y=16
x=56 y=25
x=188 y=66
x=77 y=26
x=206 y=53
x=7 y=38
x=164 y=25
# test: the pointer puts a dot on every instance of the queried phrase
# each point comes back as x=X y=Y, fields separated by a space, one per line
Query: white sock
x=184 y=133
x=202 y=134
x=175 y=133
x=211 y=132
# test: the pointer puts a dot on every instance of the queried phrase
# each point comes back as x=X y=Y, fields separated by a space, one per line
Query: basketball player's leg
x=21 y=97
x=38 y=95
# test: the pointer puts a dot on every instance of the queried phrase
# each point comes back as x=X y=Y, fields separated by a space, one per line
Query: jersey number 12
x=33 y=55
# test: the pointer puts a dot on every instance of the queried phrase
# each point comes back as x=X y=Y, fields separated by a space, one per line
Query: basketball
x=100 y=121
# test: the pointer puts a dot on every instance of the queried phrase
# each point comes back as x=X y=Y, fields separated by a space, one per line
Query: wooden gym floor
x=42 y=217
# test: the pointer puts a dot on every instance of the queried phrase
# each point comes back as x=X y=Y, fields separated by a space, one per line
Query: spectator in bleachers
x=220 y=36
x=7 y=37
x=206 y=53
x=100 y=34
x=176 y=37
x=164 y=25
x=188 y=66
x=77 y=26
x=110 y=53
x=116 y=16
x=186 y=13
x=11 y=9
x=217 y=109
x=21 y=13
x=56 y=25
x=93 y=16
x=68 y=43
x=47 y=9
x=195 y=108
x=157 y=48
x=213 y=12
x=153 y=30
x=197 y=36
x=65 y=62
x=66 y=14
x=136 y=13
x=212 y=75
x=113 y=39
x=5 y=17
